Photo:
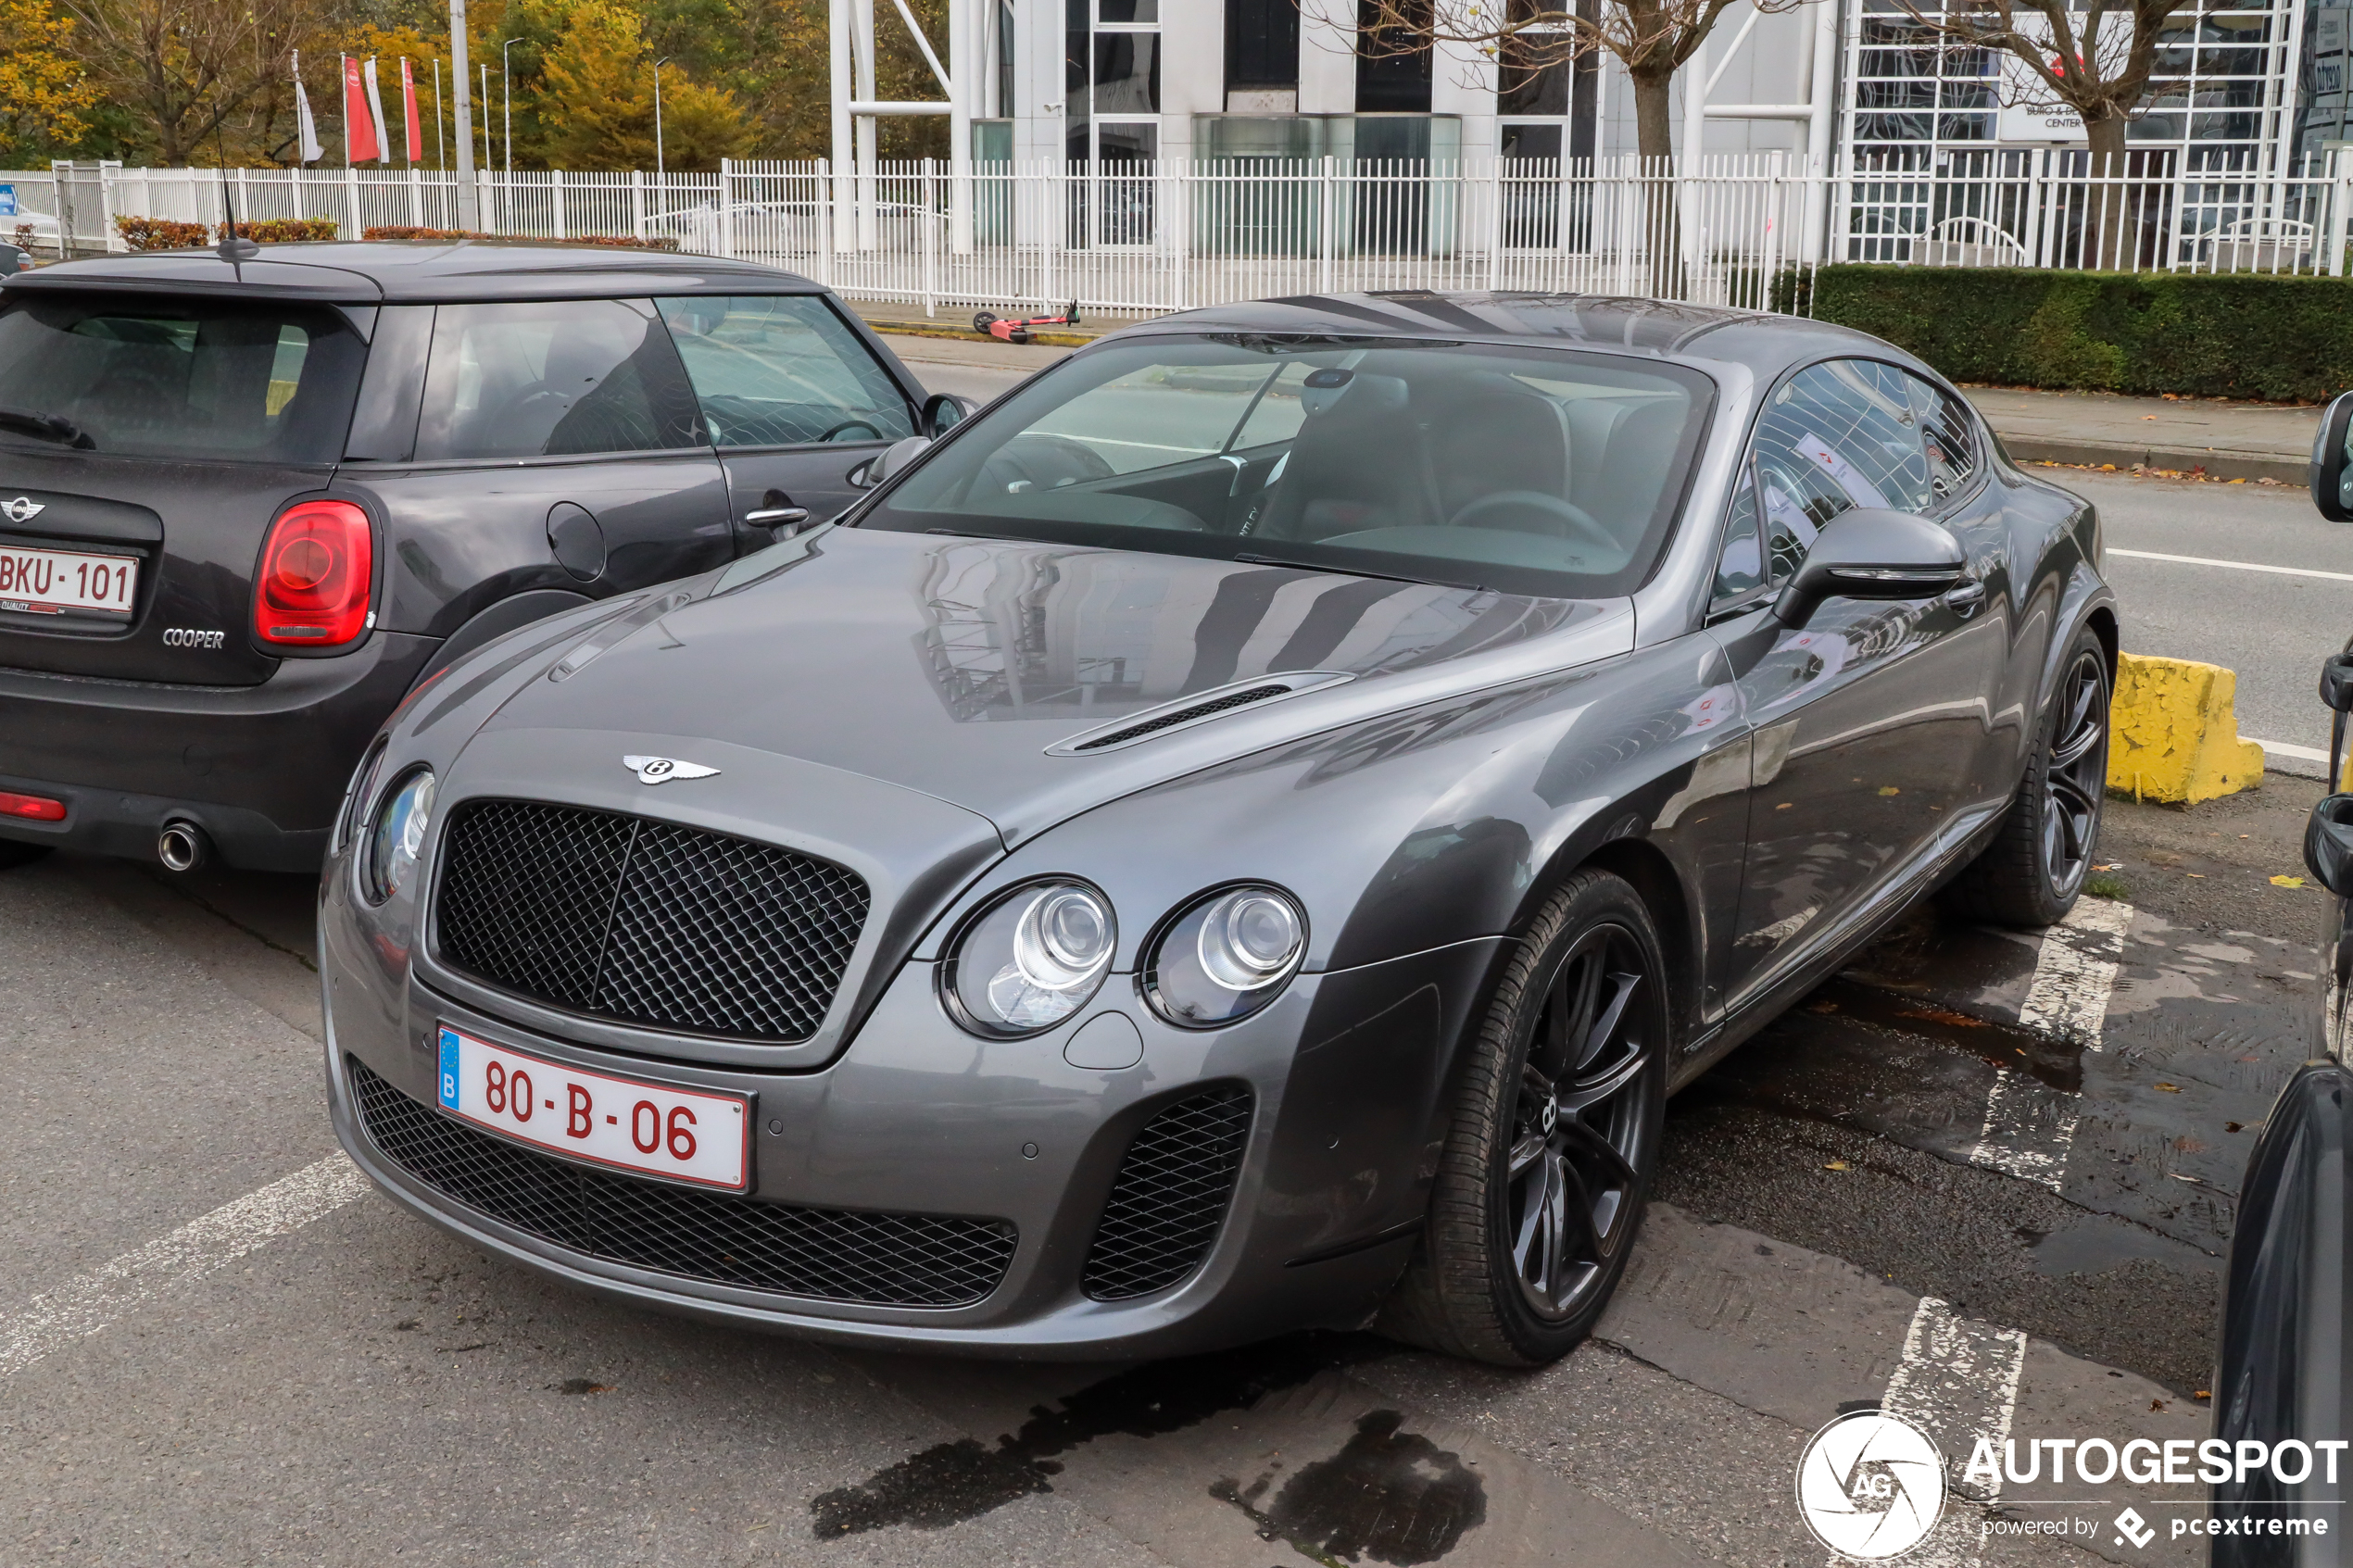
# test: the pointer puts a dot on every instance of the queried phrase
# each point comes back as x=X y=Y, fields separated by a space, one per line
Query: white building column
x=1327 y=56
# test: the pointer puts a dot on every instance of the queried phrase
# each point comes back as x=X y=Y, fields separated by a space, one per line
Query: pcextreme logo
x=1870 y=1486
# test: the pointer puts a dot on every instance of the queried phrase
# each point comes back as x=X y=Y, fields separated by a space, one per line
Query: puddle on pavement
x=1389 y=1495
x=951 y=1482
x=2095 y=1246
x=2059 y=1063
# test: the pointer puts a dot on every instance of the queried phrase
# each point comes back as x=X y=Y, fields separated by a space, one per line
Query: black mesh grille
x=1170 y=1196
x=831 y=1255
x=1182 y=715
x=646 y=922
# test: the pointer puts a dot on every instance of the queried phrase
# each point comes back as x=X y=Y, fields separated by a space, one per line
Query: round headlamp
x=1225 y=957
x=1032 y=959
x=398 y=836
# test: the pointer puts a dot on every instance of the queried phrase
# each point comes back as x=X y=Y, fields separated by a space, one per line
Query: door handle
x=777 y=517
x=1966 y=599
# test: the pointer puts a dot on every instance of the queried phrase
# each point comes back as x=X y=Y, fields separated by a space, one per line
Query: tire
x=1546 y=1128
x=2034 y=870
x=981 y=320
x=16 y=852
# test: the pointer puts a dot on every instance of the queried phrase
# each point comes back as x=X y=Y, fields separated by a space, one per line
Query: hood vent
x=1194 y=709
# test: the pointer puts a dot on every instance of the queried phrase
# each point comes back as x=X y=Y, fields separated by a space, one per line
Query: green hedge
x=2211 y=335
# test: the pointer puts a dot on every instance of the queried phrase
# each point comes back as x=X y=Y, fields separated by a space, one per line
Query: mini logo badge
x=24 y=508
x=655 y=770
x=1870 y=1486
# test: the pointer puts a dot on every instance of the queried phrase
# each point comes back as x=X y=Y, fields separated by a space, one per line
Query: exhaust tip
x=182 y=847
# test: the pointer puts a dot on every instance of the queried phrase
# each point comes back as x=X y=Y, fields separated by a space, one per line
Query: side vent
x=1194 y=709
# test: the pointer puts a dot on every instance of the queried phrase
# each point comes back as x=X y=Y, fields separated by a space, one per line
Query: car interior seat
x=1360 y=462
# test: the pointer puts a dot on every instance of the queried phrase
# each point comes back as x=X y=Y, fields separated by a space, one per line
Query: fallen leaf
x=1835 y=1165
x=1889 y=789
x=2170 y=1088
x=2200 y=875
x=1942 y=1015
x=2202 y=1394
x=2287 y=882
x=2156 y=1404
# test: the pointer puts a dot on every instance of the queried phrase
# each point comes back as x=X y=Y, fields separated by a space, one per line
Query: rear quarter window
x=233 y=379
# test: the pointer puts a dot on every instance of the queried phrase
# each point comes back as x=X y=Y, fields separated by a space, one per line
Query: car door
x=558 y=445
x=792 y=399
x=1867 y=719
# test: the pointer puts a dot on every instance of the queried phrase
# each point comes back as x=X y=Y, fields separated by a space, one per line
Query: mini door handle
x=1966 y=598
x=777 y=517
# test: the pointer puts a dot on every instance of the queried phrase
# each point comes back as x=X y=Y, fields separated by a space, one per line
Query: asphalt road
x=1985 y=1177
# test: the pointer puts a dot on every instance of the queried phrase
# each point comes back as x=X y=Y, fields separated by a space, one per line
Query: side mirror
x=2336 y=683
x=945 y=411
x=2331 y=458
x=2328 y=844
x=1871 y=554
x=893 y=458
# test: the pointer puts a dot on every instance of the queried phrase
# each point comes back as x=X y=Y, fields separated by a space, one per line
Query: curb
x=2213 y=462
x=2174 y=736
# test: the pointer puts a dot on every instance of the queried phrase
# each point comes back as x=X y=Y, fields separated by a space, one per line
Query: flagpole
x=342 y=91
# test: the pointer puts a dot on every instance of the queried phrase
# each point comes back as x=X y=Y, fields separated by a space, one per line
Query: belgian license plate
x=686 y=1134
x=52 y=582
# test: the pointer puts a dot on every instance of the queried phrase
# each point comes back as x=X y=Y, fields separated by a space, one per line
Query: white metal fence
x=1144 y=237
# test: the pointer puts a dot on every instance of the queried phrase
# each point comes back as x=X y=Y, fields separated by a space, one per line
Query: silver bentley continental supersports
x=1243 y=833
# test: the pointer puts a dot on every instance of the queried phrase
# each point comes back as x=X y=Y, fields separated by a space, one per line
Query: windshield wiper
x=48 y=427
x=1360 y=572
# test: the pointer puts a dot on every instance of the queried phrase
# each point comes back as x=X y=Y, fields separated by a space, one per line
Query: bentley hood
x=1026 y=683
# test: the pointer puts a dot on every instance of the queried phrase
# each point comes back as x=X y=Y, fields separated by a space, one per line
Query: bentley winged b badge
x=655 y=770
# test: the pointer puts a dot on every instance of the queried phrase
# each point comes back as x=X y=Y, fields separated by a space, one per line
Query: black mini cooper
x=247 y=504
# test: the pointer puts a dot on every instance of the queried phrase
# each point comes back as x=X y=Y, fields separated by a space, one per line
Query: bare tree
x=191 y=66
x=2093 y=56
x=1652 y=39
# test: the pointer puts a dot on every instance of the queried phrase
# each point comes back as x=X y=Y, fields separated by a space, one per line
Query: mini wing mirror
x=945 y=411
x=2328 y=844
x=1869 y=553
x=892 y=458
x=2333 y=461
x=2336 y=683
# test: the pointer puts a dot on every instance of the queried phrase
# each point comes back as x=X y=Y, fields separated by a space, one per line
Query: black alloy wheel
x=2034 y=868
x=1572 y=1184
x=2075 y=779
x=1553 y=1139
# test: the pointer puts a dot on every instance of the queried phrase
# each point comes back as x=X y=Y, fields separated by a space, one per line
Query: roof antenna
x=234 y=248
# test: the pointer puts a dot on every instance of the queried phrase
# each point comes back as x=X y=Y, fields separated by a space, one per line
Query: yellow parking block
x=2173 y=735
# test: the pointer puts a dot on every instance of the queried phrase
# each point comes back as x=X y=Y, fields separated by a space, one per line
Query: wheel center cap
x=1552 y=1116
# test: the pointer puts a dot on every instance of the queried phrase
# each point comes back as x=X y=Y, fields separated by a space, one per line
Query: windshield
x=230 y=379
x=1527 y=471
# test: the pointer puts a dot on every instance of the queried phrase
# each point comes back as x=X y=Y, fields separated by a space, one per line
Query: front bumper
x=1347 y=1074
x=260 y=769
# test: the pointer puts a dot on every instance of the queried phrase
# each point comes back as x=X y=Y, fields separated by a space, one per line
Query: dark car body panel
x=462 y=549
x=1420 y=811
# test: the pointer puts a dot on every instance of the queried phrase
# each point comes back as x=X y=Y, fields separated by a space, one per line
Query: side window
x=1835 y=436
x=782 y=370
x=1948 y=438
x=553 y=379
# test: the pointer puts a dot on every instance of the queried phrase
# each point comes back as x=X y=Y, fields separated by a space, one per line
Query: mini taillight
x=33 y=808
x=313 y=588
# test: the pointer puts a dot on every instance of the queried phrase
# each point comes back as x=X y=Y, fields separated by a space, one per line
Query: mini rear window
x=232 y=379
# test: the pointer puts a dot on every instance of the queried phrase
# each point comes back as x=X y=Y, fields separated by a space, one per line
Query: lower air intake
x=1170 y=1196
x=825 y=1254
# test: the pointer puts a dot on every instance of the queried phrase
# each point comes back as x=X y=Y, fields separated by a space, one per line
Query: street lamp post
x=468 y=209
x=659 y=171
x=507 y=87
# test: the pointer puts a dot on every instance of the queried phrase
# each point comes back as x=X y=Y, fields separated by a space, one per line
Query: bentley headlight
x=1225 y=957
x=1033 y=958
x=398 y=837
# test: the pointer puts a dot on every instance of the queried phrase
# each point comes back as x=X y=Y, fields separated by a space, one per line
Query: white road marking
x=1958 y=1382
x=2074 y=974
x=2305 y=753
x=2235 y=564
x=84 y=1306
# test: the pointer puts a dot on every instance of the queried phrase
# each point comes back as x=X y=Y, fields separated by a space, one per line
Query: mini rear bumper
x=260 y=769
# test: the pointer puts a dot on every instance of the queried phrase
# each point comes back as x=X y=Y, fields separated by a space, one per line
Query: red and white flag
x=359 y=142
x=376 y=113
x=408 y=107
